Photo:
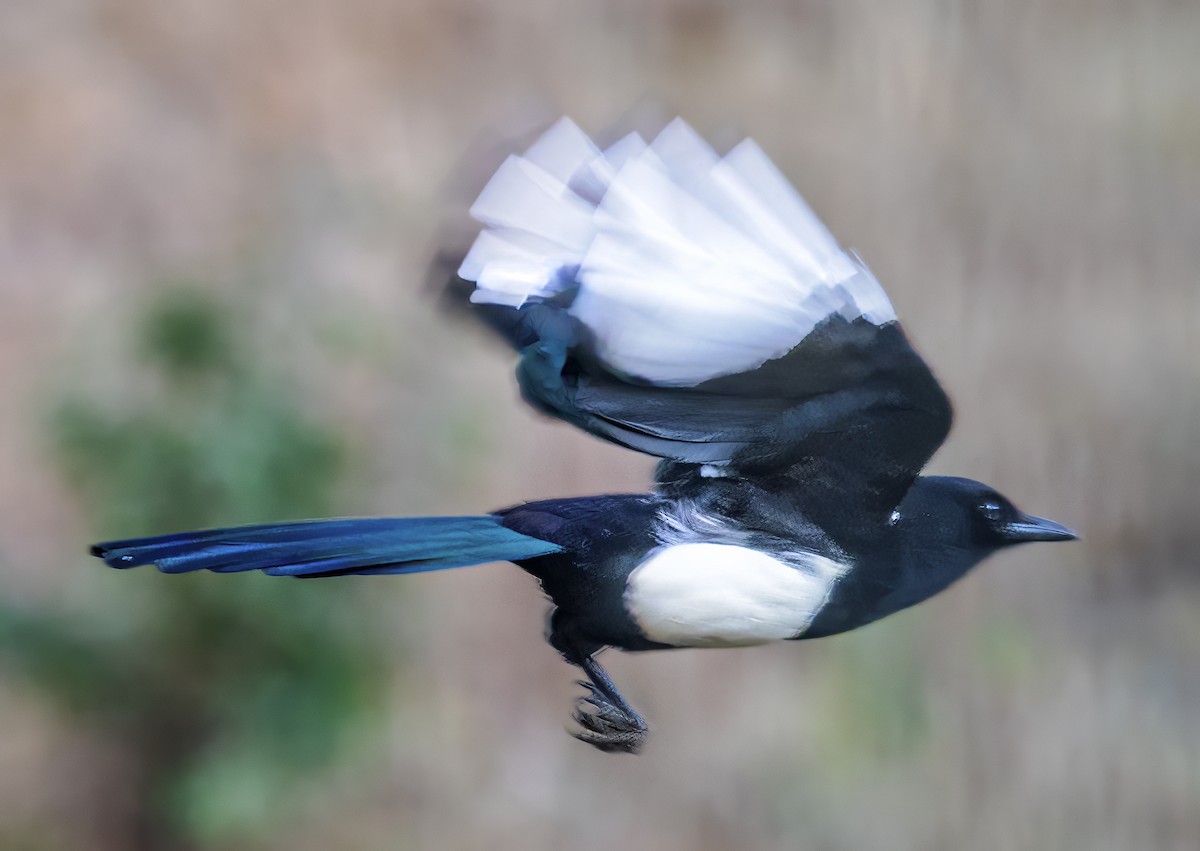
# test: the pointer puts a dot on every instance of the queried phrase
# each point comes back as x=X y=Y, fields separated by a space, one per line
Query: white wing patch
x=689 y=265
x=722 y=595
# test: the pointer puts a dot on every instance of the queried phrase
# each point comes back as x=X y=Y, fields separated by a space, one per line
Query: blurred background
x=215 y=220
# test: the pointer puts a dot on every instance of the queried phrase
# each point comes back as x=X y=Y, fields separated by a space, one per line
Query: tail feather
x=311 y=548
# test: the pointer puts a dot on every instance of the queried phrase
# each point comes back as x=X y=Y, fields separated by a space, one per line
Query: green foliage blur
x=223 y=692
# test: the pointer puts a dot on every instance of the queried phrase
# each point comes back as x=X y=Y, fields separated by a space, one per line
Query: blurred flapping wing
x=692 y=306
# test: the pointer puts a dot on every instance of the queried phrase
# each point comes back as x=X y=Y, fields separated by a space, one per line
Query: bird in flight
x=692 y=307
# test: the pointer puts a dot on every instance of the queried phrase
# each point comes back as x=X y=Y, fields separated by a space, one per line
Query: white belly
x=720 y=595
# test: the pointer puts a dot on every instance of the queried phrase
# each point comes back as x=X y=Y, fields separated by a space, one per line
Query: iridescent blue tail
x=311 y=548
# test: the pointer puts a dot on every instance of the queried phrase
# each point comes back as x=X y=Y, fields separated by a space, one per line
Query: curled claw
x=606 y=726
x=598 y=699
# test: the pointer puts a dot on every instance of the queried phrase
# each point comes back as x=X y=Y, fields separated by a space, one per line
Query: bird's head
x=967 y=515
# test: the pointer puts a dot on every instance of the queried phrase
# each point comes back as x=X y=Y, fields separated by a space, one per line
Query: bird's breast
x=723 y=595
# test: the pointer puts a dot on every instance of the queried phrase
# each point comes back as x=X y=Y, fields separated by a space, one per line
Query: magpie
x=691 y=307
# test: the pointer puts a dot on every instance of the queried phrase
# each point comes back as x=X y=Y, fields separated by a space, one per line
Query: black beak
x=1029 y=528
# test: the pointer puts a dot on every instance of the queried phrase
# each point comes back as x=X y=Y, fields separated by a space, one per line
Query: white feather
x=689 y=265
x=562 y=150
x=510 y=266
x=722 y=595
x=523 y=196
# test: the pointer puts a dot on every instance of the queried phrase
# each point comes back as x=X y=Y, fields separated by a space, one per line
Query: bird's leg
x=608 y=722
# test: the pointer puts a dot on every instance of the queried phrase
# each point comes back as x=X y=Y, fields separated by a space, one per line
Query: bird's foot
x=607 y=726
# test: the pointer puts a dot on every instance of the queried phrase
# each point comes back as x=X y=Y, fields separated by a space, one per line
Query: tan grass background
x=1025 y=179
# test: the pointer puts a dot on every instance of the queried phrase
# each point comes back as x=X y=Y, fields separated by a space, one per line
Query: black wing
x=844 y=422
x=724 y=330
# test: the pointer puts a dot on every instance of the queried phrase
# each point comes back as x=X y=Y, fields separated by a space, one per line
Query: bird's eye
x=991 y=510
